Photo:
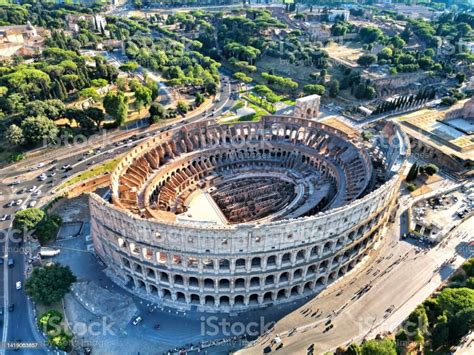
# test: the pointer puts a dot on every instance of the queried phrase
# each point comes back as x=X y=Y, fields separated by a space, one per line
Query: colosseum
x=226 y=217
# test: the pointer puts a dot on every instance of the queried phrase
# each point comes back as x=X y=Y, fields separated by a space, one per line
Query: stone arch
x=269 y=280
x=284 y=277
x=239 y=300
x=208 y=283
x=224 y=284
x=253 y=299
x=209 y=300
x=193 y=282
x=180 y=297
x=224 y=301
x=268 y=297
x=239 y=283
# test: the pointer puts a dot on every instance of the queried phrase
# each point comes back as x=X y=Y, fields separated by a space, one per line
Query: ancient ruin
x=230 y=216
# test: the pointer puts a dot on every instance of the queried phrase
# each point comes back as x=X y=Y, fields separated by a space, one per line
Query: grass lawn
x=97 y=170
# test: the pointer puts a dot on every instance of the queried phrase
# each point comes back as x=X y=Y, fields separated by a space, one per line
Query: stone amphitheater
x=225 y=217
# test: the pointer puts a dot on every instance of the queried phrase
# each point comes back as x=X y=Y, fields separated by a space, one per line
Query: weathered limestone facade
x=238 y=266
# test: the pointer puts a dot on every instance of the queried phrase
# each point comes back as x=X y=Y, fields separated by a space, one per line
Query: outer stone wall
x=222 y=268
x=241 y=266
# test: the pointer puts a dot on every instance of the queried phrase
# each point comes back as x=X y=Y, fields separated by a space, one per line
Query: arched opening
x=154 y=290
x=286 y=258
x=284 y=278
x=178 y=280
x=307 y=287
x=239 y=300
x=224 y=264
x=224 y=284
x=281 y=295
x=195 y=299
x=209 y=301
x=253 y=299
x=180 y=297
x=311 y=271
x=240 y=263
x=255 y=282
x=166 y=294
x=256 y=262
x=193 y=282
x=224 y=301
x=300 y=256
x=267 y=297
x=240 y=283
x=320 y=282
x=297 y=274
x=271 y=261
x=208 y=264
x=164 y=277
x=269 y=280
x=208 y=283
x=294 y=291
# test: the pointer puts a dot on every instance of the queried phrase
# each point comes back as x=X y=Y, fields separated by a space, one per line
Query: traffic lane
x=19 y=326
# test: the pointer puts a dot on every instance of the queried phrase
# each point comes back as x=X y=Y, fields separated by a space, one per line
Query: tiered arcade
x=299 y=204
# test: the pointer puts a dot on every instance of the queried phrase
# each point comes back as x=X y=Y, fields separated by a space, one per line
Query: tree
x=28 y=219
x=379 y=347
x=430 y=169
x=354 y=349
x=367 y=60
x=14 y=135
x=314 y=89
x=95 y=114
x=48 y=284
x=182 y=107
x=47 y=228
x=116 y=105
x=39 y=129
x=142 y=96
x=199 y=99
x=90 y=93
x=468 y=267
x=455 y=300
x=157 y=112
x=334 y=88
x=413 y=172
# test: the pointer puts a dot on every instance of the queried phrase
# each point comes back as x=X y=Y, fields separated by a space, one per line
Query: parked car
x=137 y=320
x=18 y=285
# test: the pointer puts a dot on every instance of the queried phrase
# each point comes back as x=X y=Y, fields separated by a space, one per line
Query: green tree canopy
x=48 y=284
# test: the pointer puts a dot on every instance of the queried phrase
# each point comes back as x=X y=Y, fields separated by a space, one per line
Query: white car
x=32 y=203
x=36 y=193
x=4 y=217
x=42 y=177
x=137 y=320
x=67 y=166
x=32 y=188
x=40 y=165
x=12 y=203
x=18 y=285
x=52 y=174
x=19 y=202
